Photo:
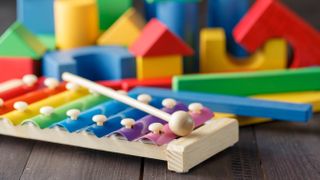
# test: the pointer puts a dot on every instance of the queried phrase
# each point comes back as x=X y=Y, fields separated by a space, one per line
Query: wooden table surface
x=277 y=150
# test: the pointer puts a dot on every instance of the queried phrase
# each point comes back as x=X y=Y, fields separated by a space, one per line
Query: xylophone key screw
x=144 y=98
x=127 y=123
x=169 y=103
x=72 y=87
x=1 y=102
x=99 y=119
x=51 y=83
x=46 y=110
x=20 y=106
x=155 y=128
x=181 y=123
x=73 y=114
x=195 y=108
x=29 y=79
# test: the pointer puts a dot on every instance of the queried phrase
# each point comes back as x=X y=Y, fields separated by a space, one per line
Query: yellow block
x=161 y=66
x=16 y=117
x=125 y=30
x=76 y=23
x=214 y=56
x=310 y=97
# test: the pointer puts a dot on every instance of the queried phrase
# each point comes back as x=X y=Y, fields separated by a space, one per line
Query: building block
x=76 y=23
x=111 y=10
x=95 y=63
x=150 y=10
x=251 y=83
x=12 y=68
x=268 y=19
x=161 y=66
x=125 y=30
x=36 y=15
x=49 y=41
x=237 y=105
x=215 y=58
x=157 y=40
x=226 y=14
x=182 y=18
x=17 y=41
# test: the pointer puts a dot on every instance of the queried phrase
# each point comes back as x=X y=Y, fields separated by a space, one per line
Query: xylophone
x=84 y=114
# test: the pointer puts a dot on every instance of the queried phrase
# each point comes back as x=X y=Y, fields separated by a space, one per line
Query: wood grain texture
x=14 y=154
x=52 y=161
x=290 y=150
x=238 y=162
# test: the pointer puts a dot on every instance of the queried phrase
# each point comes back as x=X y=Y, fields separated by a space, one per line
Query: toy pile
x=237 y=66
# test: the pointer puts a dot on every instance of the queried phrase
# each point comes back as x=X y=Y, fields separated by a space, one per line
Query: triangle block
x=125 y=30
x=157 y=40
x=18 y=41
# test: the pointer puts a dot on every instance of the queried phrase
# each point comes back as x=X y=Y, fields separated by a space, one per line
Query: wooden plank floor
x=277 y=150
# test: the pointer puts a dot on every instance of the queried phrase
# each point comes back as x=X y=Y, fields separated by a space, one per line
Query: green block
x=251 y=83
x=111 y=10
x=49 y=41
x=59 y=113
x=18 y=41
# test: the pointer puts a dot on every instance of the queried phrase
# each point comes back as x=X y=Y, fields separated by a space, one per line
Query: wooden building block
x=156 y=67
x=242 y=106
x=18 y=41
x=182 y=18
x=150 y=10
x=95 y=63
x=76 y=23
x=36 y=15
x=124 y=31
x=111 y=10
x=251 y=83
x=268 y=19
x=154 y=41
x=12 y=68
x=49 y=41
x=215 y=58
x=226 y=14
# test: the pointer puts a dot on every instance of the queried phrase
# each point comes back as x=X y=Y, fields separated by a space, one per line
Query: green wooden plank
x=251 y=83
x=19 y=41
x=48 y=40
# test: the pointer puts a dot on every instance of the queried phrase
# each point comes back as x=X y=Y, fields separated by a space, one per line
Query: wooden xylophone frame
x=180 y=154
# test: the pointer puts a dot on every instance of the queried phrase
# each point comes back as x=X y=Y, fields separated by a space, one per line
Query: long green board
x=251 y=83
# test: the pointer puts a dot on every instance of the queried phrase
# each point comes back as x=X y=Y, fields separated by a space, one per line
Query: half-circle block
x=95 y=63
x=18 y=41
x=125 y=30
x=268 y=19
x=215 y=58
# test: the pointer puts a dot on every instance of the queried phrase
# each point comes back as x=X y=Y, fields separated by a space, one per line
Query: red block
x=157 y=40
x=12 y=68
x=269 y=19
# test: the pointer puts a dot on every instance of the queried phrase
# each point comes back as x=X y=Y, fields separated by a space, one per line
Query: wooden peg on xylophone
x=46 y=110
x=169 y=103
x=127 y=123
x=20 y=106
x=73 y=114
x=99 y=119
x=72 y=86
x=144 y=98
x=155 y=128
x=29 y=79
x=180 y=122
x=195 y=108
x=51 y=83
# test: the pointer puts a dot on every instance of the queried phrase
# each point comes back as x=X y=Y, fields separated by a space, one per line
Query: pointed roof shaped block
x=17 y=41
x=157 y=40
x=125 y=30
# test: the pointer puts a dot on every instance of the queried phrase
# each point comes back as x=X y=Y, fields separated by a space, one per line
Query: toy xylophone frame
x=181 y=154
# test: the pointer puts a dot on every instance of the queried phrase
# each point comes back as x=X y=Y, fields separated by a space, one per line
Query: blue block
x=94 y=63
x=227 y=14
x=182 y=18
x=36 y=15
x=150 y=10
x=237 y=105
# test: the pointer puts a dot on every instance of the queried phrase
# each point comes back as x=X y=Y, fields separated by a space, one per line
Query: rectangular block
x=156 y=67
x=237 y=105
x=36 y=15
x=251 y=83
x=12 y=68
